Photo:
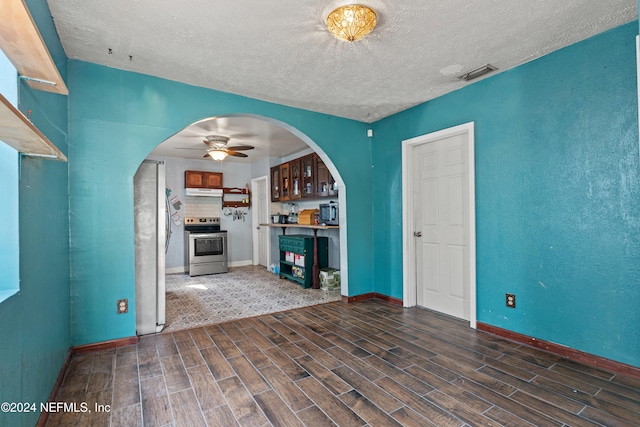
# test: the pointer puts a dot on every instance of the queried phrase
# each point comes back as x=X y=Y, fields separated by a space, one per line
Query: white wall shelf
x=22 y=43
x=18 y=132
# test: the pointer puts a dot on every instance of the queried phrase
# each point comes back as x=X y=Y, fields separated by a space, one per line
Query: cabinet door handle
x=417 y=233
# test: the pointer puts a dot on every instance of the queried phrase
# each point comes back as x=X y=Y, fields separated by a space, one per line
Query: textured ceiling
x=280 y=51
x=269 y=140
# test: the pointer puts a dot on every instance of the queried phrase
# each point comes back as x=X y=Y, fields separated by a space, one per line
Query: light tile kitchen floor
x=242 y=292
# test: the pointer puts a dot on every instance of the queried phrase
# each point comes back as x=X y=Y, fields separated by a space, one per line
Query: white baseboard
x=179 y=270
x=175 y=270
x=243 y=263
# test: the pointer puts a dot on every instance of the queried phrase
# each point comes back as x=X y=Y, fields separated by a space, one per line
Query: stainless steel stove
x=205 y=246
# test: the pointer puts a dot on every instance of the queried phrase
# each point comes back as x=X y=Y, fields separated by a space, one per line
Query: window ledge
x=8 y=293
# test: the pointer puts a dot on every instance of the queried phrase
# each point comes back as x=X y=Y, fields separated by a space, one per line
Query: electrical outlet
x=511 y=300
x=123 y=306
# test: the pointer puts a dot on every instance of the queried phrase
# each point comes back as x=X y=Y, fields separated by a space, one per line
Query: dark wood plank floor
x=369 y=363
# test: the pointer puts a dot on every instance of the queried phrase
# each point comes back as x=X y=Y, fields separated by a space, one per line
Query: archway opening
x=185 y=151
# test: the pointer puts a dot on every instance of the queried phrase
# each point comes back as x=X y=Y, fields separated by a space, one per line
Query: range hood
x=204 y=192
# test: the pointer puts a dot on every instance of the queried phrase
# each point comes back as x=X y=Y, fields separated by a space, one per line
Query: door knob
x=417 y=233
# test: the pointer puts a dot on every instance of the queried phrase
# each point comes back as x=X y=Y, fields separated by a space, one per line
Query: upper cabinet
x=308 y=166
x=303 y=178
x=285 y=178
x=275 y=184
x=294 y=171
x=202 y=179
x=325 y=184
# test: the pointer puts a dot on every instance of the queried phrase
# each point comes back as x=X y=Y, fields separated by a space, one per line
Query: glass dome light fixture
x=218 y=155
x=351 y=22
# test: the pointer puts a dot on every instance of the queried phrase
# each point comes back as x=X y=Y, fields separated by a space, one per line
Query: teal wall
x=557 y=194
x=36 y=336
x=115 y=119
x=557 y=200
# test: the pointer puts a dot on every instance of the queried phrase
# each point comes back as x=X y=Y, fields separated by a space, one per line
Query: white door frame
x=255 y=220
x=409 y=285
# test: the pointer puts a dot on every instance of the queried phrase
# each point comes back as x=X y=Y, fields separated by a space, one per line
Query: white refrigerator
x=149 y=199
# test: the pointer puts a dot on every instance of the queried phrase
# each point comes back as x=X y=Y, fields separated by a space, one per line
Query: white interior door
x=441 y=224
x=260 y=203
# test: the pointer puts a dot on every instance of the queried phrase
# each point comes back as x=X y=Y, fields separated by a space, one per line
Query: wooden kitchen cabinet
x=285 y=182
x=294 y=172
x=325 y=183
x=308 y=169
x=275 y=184
x=333 y=186
x=306 y=177
x=213 y=179
x=202 y=179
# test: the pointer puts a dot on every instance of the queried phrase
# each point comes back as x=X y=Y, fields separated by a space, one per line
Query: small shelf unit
x=299 y=268
x=244 y=192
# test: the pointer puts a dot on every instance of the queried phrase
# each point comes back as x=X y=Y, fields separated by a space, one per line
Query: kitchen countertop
x=315 y=226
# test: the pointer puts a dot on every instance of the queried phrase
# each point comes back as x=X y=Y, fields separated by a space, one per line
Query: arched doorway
x=244 y=129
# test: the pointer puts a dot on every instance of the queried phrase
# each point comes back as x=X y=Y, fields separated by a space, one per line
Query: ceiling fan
x=218 y=149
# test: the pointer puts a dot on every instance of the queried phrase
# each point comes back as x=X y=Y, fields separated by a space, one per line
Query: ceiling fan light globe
x=218 y=155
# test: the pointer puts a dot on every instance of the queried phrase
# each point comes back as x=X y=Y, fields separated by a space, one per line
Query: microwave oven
x=328 y=214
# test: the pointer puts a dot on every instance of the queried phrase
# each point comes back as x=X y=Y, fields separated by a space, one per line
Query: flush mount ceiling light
x=351 y=22
x=218 y=155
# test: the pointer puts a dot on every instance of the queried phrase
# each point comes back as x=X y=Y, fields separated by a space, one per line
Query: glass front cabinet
x=275 y=184
x=294 y=171
x=307 y=165
x=306 y=177
x=285 y=181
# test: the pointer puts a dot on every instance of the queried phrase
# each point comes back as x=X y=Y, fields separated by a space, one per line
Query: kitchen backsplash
x=198 y=207
x=300 y=204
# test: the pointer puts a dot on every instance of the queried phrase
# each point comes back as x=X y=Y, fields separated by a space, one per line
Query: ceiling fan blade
x=241 y=147
x=236 y=154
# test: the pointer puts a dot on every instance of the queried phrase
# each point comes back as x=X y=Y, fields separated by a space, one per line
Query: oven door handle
x=206 y=235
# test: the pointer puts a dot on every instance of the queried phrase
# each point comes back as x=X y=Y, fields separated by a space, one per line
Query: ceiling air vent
x=478 y=72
